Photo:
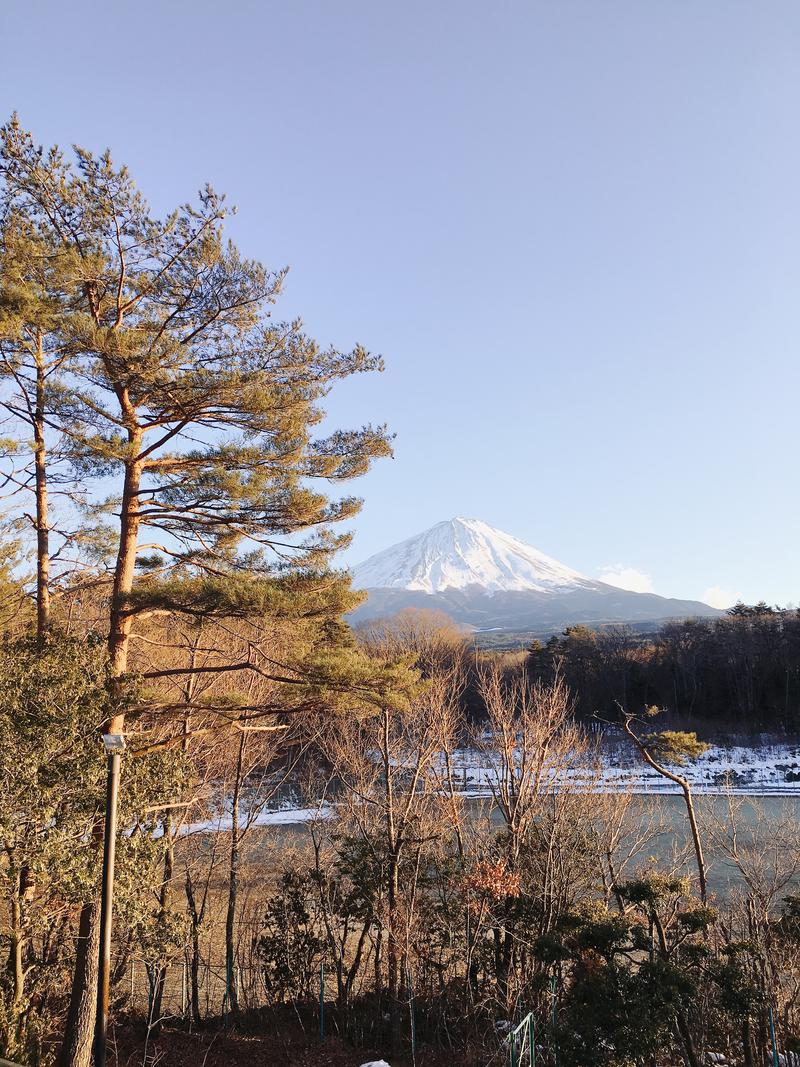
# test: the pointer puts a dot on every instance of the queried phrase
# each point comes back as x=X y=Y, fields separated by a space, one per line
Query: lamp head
x=114 y=742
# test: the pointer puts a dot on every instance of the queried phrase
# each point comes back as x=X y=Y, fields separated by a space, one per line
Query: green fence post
x=516 y=1042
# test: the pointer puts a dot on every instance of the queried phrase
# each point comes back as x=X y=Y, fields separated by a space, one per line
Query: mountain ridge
x=485 y=578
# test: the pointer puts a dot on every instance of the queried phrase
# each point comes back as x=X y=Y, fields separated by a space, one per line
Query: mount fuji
x=487 y=579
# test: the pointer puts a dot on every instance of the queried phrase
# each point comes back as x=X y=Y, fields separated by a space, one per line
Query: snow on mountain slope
x=462 y=554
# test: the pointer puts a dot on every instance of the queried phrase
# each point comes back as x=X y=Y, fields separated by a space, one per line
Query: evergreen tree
x=201 y=411
x=33 y=350
x=51 y=792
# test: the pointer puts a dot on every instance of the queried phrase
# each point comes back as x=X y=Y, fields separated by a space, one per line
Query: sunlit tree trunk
x=42 y=516
x=233 y=886
x=79 y=1030
x=76 y=1049
x=164 y=901
x=196 y=914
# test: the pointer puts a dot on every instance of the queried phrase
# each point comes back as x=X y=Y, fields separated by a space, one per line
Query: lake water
x=767 y=826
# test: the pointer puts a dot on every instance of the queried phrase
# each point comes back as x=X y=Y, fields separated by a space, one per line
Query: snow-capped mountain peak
x=462 y=554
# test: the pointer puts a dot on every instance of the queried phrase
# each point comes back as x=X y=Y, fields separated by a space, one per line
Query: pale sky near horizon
x=572 y=227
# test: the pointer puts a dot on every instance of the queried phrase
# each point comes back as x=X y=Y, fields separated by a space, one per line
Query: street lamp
x=114 y=745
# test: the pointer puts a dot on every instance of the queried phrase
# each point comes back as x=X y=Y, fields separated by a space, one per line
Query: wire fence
x=139 y=984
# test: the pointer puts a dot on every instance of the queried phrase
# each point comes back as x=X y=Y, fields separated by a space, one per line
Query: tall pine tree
x=198 y=409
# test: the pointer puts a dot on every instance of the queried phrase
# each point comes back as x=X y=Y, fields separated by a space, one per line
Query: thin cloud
x=718 y=597
x=626 y=578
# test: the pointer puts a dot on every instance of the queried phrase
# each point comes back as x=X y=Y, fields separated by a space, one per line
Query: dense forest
x=740 y=672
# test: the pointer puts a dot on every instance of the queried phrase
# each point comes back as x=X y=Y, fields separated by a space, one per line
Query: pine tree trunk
x=230 y=921
x=690 y=1052
x=42 y=517
x=76 y=1050
x=233 y=888
x=16 y=964
x=747 y=1044
x=392 y=888
x=392 y=957
x=503 y=959
x=196 y=917
x=120 y=620
x=194 y=971
x=163 y=910
x=378 y=964
x=79 y=1030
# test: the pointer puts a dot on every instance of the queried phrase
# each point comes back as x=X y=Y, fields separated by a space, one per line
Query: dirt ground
x=291 y=1048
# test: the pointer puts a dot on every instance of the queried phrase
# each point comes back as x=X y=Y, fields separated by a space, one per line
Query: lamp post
x=114 y=745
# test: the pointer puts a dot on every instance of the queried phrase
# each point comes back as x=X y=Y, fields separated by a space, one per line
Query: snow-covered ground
x=286 y=815
x=770 y=769
x=763 y=770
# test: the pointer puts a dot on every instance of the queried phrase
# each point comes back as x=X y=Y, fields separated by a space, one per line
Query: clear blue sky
x=572 y=227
